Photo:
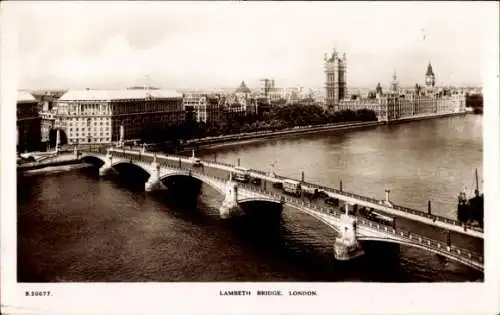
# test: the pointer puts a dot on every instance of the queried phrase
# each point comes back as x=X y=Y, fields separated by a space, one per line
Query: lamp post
x=122 y=134
x=58 y=140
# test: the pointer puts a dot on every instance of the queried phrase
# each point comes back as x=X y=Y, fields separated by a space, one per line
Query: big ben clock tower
x=430 y=79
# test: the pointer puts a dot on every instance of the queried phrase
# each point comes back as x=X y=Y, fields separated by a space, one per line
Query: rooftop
x=243 y=88
x=110 y=95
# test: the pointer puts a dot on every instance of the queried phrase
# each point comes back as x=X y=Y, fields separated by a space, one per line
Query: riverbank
x=424 y=117
x=260 y=136
x=231 y=140
x=44 y=164
x=54 y=169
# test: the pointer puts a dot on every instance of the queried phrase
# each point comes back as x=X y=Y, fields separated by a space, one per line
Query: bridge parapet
x=394 y=206
x=413 y=238
x=367 y=229
x=124 y=153
x=385 y=233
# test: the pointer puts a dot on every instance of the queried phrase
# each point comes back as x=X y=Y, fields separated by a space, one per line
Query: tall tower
x=335 y=85
x=394 y=83
x=430 y=79
x=342 y=77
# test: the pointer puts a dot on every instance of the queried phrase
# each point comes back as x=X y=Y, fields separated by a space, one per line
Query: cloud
x=213 y=44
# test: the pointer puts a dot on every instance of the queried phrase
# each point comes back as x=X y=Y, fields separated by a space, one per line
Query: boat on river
x=471 y=211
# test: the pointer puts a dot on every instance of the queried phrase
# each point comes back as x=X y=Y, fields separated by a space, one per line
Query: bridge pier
x=230 y=207
x=107 y=168
x=154 y=183
x=346 y=245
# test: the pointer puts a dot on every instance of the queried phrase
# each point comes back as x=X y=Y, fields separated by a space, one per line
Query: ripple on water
x=74 y=226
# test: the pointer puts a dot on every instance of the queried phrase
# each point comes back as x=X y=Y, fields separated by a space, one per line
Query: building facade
x=28 y=123
x=244 y=98
x=205 y=107
x=95 y=116
x=397 y=103
x=336 y=81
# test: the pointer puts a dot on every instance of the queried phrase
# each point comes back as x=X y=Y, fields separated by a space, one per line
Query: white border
x=467 y=298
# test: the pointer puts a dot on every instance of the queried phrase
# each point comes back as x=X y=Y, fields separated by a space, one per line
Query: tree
x=245 y=128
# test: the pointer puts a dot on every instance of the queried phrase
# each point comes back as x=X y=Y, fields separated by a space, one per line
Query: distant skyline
x=212 y=45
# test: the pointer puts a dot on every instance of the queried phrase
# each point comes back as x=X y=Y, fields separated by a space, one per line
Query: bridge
x=350 y=228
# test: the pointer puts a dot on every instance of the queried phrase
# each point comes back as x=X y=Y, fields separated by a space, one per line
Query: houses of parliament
x=394 y=103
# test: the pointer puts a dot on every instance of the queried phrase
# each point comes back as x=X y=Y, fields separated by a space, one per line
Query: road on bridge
x=440 y=234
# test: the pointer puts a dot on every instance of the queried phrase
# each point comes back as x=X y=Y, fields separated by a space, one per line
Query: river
x=75 y=226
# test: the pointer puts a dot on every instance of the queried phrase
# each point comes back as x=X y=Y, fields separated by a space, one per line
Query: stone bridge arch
x=134 y=169
x=237 y=200
x=91 y=158
x=335 y=226
x=219 y=187
x=234 y=200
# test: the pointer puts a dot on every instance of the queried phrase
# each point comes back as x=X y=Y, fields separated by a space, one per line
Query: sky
x=210 y=45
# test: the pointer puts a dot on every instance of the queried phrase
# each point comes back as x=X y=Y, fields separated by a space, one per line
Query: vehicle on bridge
x=278 y=185
x=196 y=162
x=255 y=180
x=291 y=187
x=309 y=192
x=375 y=216
x=332 y=201
x=241 y=174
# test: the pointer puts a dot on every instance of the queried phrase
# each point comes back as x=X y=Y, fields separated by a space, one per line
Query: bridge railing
x=396 y=207
x=145 y=156
x=422 y=240
x=459 y=253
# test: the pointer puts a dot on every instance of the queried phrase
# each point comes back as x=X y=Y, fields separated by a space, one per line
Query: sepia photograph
x=266 y=152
